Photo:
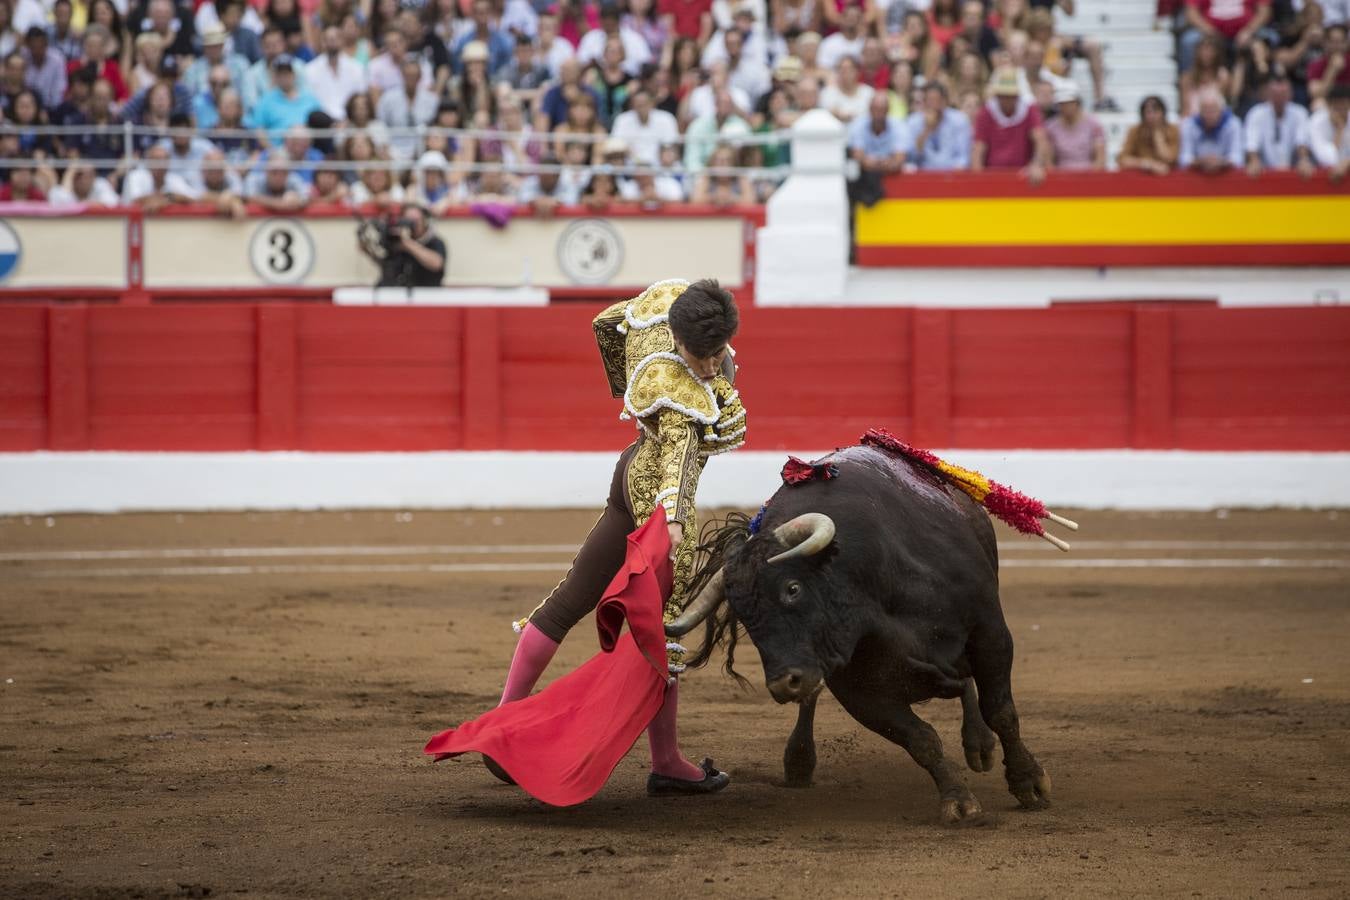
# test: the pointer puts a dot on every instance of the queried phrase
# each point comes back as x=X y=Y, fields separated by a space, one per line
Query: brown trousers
x=596 y=563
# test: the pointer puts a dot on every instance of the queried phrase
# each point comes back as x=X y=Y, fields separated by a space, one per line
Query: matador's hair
x=704 y=318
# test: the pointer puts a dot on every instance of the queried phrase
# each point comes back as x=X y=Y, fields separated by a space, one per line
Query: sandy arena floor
x=222 y=705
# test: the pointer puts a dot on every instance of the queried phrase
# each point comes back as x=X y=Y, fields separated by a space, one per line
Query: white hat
x=1067 y=92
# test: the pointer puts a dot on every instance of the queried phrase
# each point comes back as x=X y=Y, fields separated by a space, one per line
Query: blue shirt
x=204 y=111
x=275 y=112
x=1226 y=140
x=894 y=138
x=501 y=49
x=947 y=148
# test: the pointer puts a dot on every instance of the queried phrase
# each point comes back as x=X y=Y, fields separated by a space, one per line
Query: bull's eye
x=792 y=592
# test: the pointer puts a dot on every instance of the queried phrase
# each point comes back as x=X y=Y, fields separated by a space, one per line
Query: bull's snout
x=793 y=686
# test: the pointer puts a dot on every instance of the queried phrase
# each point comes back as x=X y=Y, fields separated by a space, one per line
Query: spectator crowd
x=285 y=103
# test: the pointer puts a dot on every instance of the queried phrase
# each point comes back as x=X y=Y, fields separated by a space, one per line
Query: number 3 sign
x=281 y=251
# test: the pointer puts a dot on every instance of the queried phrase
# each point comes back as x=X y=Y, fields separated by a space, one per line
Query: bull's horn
x=806 y=535
x=712 y=594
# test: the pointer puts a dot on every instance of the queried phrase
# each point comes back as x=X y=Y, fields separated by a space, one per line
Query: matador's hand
x=676 y=531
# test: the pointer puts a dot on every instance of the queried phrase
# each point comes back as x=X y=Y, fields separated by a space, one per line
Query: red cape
x=562 y=743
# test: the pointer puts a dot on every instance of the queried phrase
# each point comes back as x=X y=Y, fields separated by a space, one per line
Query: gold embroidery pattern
x=612 y=344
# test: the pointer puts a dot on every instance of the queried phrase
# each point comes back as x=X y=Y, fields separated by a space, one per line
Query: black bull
x=881 y=584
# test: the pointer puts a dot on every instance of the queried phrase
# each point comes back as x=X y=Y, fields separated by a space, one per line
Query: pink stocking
x=532 y=656
x=665 y=743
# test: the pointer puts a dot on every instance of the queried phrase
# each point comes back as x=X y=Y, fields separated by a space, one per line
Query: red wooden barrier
x=277 y=376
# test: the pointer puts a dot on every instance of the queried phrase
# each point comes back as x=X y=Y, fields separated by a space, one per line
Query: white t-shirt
x=836 y=47
x=334 y=89
x=140 y=182
x=636 y=51
x=559 y=52
x=667 y=189
x=1322 y=139
x=101 y=193
x=645 y=141
x=844 y=106
x=703 y=103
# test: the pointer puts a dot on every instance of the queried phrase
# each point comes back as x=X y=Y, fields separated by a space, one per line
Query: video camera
x=381 y=236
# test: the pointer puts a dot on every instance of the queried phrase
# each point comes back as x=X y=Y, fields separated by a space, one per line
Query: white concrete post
x=803 y=248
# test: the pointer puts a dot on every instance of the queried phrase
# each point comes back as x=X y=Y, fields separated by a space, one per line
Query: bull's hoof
x=960 y=810
x=1032 y=790
x=980 y=759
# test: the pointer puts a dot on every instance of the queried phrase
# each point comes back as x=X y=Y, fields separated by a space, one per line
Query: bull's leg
x=991 y=656
x=976 y=738
x=799 y=758
x=896 y=722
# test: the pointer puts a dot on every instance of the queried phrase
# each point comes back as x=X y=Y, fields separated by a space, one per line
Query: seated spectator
x=650 y=189
x=689 y=19
x=101 y=140
x=1062 y=50
x=807 y=49
x=197 y=76
x=22 y=186
x=723 y=188
x=1212 y=141
x=81 y=186
x=516 y=143
x=806 y=95
x=403 y=110
x=424 y=45
x=525 y=73
x=233 y=16
x=180 y=98
x=644 y=128
x=96 y=47
x=74 y=109
x=552 y=50
x=944 y=21
x=375 y=187
x=328 y=186
x=743 y=71
x=476 y=90
x=982 y=39
x=12 y=80
x=26 y=117
x=1009 y=133
x=285 y=105
x=848 y=98
x=1153 y=145
x=448 y=117
x=237 y=147
x=1077 y=140
x=151 y=186
x=333 y=77
x=491 y=184
x=45 y=72
x=1210 y=69
x=1331 y=69
x=360 y=119
x=706 y=132
x=581 y=120
x=879 y=144
x=274 y=186
x=1329 y=135
x=575 y=173
x=610 y=81
x=636 y=53
x=967 y=73
x=498 y=44
x=939 y=135
x=799 y=15
x=171 y=24
x=701 y=101
x=1253 y=67
x=260 y=78
x=206 y=104
x=300 y=150
x=62 y=34
x=432 y=187
x=643 y=18
x=221 y=185
x=186 y=151
x=847 y=41
x=912 y=41
x=1277 y=131
x=601 y=190
x=541 y=190
x=1236 y=23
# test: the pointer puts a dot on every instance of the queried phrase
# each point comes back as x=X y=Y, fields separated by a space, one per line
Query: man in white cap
x=197 y=78
x=1077 y=139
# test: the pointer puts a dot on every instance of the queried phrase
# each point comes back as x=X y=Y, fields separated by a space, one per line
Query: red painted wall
x=232 y=376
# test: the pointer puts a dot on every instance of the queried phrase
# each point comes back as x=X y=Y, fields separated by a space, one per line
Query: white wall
x=111 y=482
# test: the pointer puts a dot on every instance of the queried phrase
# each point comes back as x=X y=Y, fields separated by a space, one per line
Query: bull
x=881 y=584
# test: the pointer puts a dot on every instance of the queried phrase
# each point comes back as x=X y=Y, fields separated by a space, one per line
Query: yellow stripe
x=1106 y=221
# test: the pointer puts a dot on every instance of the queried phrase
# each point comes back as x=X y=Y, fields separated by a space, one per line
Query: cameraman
x=412 y=255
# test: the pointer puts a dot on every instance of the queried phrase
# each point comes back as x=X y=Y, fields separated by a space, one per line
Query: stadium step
x=1152 y=44
x=1100 y=19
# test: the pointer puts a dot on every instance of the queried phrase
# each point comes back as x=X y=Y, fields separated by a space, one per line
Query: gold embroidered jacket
x=684 y=419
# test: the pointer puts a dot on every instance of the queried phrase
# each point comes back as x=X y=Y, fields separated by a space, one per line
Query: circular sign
x=11 y=251
x=590 y=251
x=281 y=251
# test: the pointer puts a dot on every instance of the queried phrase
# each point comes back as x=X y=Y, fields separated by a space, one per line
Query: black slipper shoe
x=666 y=786
x=497 y=770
